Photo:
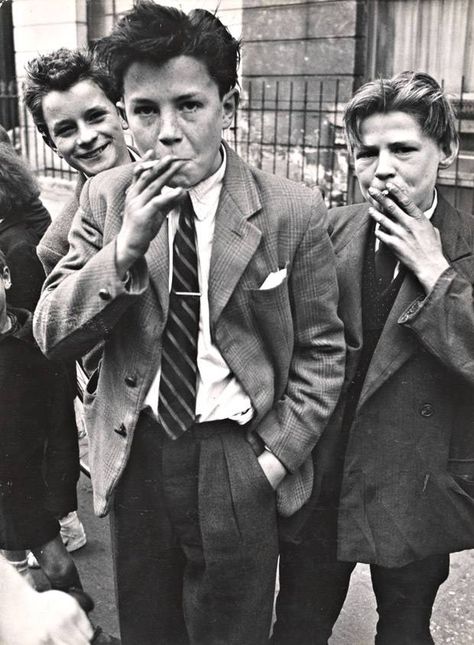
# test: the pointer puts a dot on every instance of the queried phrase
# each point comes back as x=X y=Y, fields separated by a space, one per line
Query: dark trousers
x=313 y=587
x=194 y=539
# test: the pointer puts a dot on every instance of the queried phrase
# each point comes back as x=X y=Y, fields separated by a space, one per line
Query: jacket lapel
x=157 y=258
x=397 y=344
x=235 y=238
x=349 y=244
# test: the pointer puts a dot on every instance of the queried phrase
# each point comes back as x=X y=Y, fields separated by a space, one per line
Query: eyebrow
x=393 y=144
x=181 y=97
x=88 y=112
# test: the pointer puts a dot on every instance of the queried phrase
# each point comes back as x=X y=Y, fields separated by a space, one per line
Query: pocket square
x=274 y=279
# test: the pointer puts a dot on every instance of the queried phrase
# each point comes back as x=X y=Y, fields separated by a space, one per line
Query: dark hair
x=416 y=93
x=60 y=70
x=154 y=33
x=18 y=186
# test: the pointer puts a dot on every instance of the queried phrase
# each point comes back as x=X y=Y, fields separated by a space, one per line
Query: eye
x=189 y=106
x=405 y=150
x=97 y=116
x=65 y=131
x=365 y=153
x=144 y=110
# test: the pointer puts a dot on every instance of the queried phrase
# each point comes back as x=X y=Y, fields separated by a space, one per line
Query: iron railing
x=288 y=128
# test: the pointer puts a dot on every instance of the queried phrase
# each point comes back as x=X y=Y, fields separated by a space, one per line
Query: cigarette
x=144 y=165
x=385 y=192
x=147 y=165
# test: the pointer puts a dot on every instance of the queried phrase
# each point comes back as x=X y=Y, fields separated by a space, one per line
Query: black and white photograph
x=236 y=322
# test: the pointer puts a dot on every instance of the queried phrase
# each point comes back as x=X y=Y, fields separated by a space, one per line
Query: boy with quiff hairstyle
x=395 y=477
x=213 y=286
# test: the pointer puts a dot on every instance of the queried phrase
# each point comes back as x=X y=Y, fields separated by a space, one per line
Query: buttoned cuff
x=412 y=311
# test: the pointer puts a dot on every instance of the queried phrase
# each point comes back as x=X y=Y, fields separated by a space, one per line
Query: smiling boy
x=395 y=467
x=72 y=101
x=214 y=288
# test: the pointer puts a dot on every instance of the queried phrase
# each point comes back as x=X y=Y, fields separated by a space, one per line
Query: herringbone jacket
x=285 y=344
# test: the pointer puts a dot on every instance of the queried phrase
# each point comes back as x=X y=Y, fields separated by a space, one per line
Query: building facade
x=302 y=59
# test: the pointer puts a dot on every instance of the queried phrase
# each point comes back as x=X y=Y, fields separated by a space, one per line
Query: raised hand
x=408 y=233
x=146 y=208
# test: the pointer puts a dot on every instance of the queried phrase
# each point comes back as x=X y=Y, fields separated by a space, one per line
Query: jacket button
x=131 y=381
x=104 y=294
x=426 y=410
x=121 y=430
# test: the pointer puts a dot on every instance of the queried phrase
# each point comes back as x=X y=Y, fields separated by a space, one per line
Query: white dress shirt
x=219 y=394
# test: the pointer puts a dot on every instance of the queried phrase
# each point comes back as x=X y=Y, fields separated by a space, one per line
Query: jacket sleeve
x=37 y=218
x=84 y=297
x=443 y=321
x=62 y=449
x=27 y=275
x=294 y=425
x=54 y=244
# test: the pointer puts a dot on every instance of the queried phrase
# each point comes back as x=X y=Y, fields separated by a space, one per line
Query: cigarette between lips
x=385 y=192
x=146 y=165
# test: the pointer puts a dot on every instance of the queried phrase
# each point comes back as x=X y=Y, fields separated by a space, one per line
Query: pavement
x=453 y=614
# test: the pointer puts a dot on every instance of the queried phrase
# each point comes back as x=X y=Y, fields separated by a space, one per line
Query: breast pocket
x=272 y=312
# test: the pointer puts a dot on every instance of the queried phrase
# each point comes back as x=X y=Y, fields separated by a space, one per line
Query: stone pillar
x=41 y=26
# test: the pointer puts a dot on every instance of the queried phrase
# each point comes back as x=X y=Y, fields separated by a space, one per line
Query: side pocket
x=462 y=472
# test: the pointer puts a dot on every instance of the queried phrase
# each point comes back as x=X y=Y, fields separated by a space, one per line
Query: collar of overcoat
x=396 y=343
x=235 y=239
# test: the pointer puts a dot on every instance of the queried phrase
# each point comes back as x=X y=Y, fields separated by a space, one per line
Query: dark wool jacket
x=19 y=245
x=37 y=426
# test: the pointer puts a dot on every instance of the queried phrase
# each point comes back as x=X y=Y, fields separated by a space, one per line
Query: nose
x=169 y=132
x=86 y=135
x=385 y=168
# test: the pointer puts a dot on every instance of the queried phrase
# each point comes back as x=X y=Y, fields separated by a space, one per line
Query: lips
x=94 y=153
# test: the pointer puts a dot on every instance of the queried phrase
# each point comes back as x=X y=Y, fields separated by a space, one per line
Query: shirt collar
x=429 y=213
x=201 y=193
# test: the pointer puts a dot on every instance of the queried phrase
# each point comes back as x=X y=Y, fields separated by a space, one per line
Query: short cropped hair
x=415 y=93
x=60 y=70
x=154 y=33
x=18 y=185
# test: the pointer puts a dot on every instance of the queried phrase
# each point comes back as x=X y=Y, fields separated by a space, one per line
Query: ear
x=7 y=281
x=123 y=115
x=229 y=107
x=448 y=156
x=49 y=142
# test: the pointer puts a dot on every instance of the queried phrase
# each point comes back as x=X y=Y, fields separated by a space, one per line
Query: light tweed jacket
x=285 y=344
x=54 y=245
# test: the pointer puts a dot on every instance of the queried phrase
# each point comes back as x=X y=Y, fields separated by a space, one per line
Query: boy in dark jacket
x=39 y=465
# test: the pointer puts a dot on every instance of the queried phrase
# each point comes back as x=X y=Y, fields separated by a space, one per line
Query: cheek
x=64 y=150
x=364 y=175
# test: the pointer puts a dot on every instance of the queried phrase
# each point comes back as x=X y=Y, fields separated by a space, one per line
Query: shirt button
x=104 y=294
x=121 y=430
x=131 y=381
x=426 y=410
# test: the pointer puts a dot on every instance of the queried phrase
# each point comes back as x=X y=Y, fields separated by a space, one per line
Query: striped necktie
x=177 y=395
